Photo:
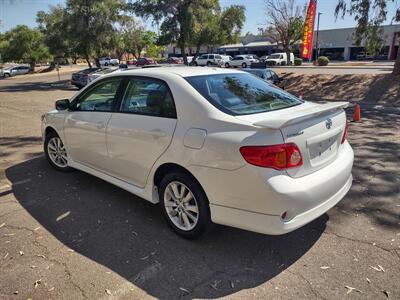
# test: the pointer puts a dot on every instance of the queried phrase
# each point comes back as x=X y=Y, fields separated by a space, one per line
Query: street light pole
x=316 y=42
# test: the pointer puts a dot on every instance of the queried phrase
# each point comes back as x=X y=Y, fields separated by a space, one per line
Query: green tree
x=369 y=15
x=191 y=22
x=53 y=25
x=285 y=23
x=23 y=44
x=91 y=25
x=213 y=26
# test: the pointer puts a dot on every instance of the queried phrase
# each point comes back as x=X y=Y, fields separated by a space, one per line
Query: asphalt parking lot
x=73 y=236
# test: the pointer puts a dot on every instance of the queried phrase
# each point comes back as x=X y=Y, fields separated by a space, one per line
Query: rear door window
x=150 y=97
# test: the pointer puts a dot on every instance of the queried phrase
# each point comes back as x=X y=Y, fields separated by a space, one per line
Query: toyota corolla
x=208 y=145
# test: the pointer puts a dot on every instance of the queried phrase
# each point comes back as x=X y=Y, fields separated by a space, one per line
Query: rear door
x=141 y=130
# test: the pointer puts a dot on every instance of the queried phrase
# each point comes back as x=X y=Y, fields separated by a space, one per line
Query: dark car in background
x=175 y=60
x=81 y=78
x=266 y=74
x=143 y=61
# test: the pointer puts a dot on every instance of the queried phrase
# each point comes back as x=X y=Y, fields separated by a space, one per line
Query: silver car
x=15 y=70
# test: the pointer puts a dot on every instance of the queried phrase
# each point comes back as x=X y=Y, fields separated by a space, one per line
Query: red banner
x=309 y=30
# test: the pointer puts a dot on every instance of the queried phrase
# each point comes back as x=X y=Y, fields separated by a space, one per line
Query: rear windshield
x=241 y=93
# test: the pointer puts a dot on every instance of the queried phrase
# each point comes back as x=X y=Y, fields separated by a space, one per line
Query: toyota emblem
x=328 y=124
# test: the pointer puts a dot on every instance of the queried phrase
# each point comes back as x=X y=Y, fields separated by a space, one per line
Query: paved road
x=72 y=236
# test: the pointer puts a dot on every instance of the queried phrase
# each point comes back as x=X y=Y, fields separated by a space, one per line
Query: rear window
x=241 y=94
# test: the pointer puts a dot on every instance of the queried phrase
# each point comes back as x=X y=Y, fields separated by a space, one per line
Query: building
x=337 y=44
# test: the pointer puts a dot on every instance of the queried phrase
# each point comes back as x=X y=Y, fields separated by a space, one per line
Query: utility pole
x=317 y=41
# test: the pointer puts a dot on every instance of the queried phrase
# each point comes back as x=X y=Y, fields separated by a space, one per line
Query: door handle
x=100 y=125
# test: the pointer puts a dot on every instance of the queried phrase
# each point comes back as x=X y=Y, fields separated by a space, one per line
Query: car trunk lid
x=316 y=129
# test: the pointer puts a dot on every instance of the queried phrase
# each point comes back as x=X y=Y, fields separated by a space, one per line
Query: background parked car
x=175 y=60
x=226 y=58
x=143 y=61
x=81 y=78
x=15 y=70
x=279 y=59
x=131 y=62
x=107 y=61
x=100 y=72
x=266 y=74
x=209 y=60
x=243 y=61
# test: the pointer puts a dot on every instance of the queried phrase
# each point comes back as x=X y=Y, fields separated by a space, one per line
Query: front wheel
x=195 y=63
x=55 y=152
x=185 y=205
x=227 y=65
x=244 y=65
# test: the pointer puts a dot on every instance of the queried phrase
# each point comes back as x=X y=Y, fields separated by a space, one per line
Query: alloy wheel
x=57 y=152
x=181 y=206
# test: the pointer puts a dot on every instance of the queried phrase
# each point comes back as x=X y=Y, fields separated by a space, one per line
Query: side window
x=204 y=56
x=100 y=98
x=211 y=56
x=148 y=97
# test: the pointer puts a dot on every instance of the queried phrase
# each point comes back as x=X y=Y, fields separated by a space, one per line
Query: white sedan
x=210 y=145
x=242 y=61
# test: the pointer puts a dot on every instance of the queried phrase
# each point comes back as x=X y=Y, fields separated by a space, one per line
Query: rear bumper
x=252 y=198
x=271 y=224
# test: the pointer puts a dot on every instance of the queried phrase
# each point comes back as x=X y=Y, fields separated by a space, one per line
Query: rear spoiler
x=294 y=116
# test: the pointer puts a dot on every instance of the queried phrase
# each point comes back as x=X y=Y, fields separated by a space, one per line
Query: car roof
x=182 y=71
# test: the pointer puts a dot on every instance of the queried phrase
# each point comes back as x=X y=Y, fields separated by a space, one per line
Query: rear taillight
x=283 y=156
x=344 y=132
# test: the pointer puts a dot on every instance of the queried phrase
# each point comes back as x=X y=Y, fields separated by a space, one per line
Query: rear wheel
x=208 y=63
x=185 y=205
x=244 y=65
x=6 y=75
x=55 y=152
x=195 y=63
x=227 y=65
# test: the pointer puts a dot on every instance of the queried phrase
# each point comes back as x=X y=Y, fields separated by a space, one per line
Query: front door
x=142 y=130
x=85 y=124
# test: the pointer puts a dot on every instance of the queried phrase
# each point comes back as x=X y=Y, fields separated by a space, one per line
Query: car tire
x=6 y=75
x=209 y=63
x=54 y=147
x=195 y=64
x=187 y=222
x=244 y=65
x=283 y=63
x=227 y=65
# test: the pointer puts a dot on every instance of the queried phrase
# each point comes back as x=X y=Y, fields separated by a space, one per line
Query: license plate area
x=322 y=151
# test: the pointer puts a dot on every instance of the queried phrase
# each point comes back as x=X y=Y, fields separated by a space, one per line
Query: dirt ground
x=73 y=236
x=380 y=89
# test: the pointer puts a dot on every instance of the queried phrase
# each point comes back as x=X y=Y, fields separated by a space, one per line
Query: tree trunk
x=185 y=61
x=396 y=68
x=88 y=60
x=32 y=66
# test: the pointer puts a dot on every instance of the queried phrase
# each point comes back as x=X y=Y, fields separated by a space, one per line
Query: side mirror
x=62 y=104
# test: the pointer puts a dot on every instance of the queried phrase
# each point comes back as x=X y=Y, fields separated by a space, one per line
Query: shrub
x=323 y=61
x=298 y=61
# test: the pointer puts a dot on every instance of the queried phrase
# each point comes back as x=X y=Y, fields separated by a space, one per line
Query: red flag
x=309 y=30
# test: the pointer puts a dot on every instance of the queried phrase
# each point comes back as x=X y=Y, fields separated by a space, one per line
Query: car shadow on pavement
x=63 y=85
x=129 y=236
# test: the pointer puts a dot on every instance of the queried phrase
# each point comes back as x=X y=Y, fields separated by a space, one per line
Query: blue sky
x=14 y=12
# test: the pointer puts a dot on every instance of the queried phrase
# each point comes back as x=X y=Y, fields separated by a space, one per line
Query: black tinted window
x=241 y=93
x=148 y=97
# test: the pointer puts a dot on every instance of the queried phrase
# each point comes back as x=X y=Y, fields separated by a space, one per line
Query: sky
x=15 y=12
